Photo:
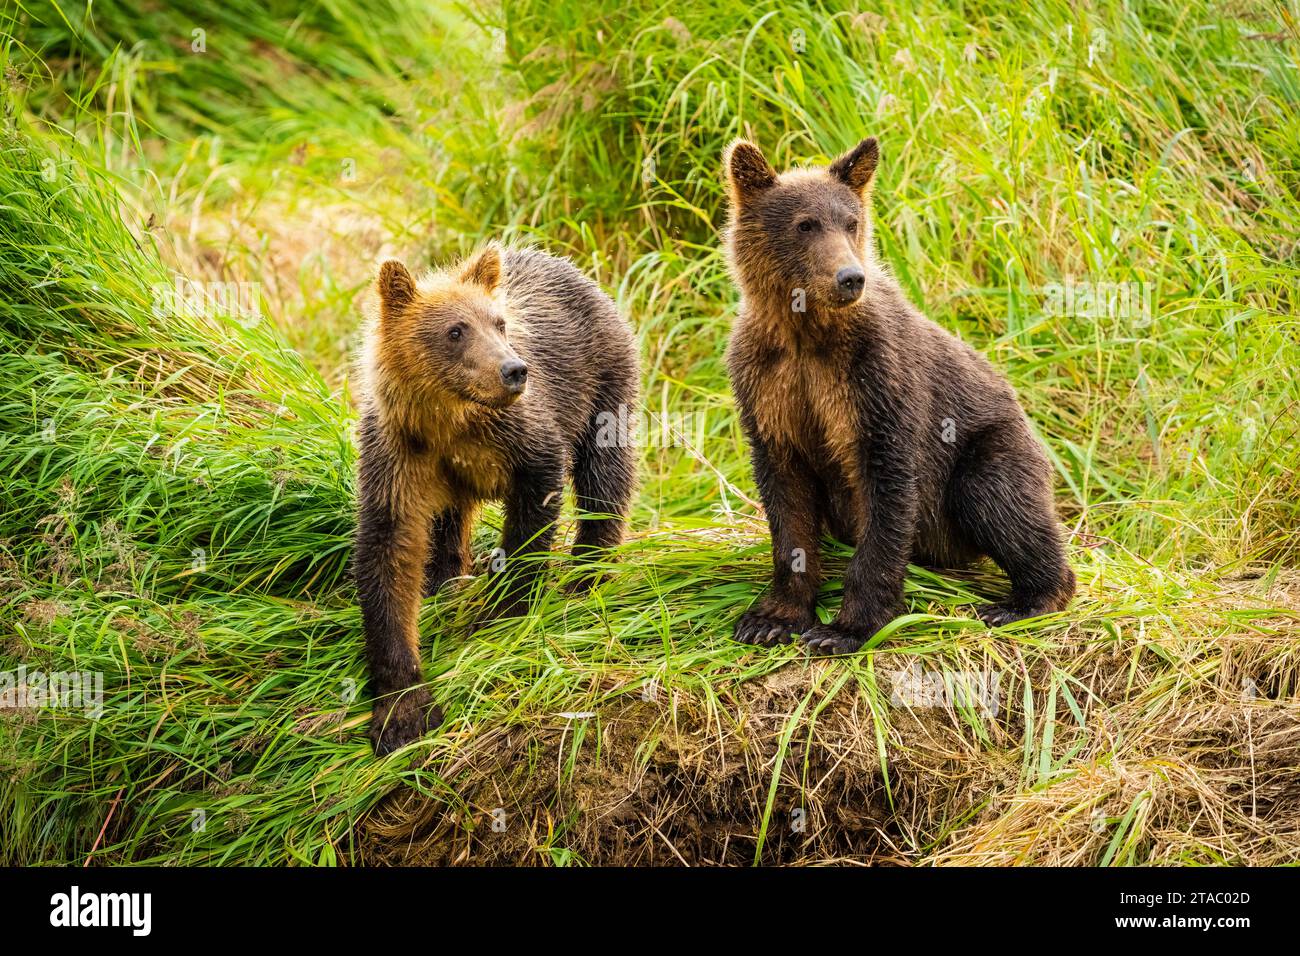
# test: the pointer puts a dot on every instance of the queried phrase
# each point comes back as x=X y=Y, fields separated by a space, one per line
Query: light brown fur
x=454 y=416
x=460 y=459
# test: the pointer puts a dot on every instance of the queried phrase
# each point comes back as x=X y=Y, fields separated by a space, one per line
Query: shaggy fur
x=487 y=382
x=867 y=420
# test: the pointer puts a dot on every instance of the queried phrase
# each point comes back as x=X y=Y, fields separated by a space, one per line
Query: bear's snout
x=848 y=284
x=514 y=375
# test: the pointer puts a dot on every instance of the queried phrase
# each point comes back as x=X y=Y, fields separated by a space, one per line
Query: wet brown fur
x=846 y=393
x=442 y=432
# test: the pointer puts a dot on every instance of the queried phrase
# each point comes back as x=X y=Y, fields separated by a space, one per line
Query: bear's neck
x=821 y=332
x=435 y=419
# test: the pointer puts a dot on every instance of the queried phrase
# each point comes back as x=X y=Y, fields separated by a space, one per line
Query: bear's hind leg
x=604 y=476
x=532 y=506
x=449 y=534
x=1001 y=502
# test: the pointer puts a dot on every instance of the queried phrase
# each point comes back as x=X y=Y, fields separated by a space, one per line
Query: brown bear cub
x=868 y=421
x=490 y=381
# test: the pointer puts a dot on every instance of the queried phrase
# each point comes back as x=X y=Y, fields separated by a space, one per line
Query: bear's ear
x=484 y=268
x=856 y=167
x=396 y=287
x=747 y=170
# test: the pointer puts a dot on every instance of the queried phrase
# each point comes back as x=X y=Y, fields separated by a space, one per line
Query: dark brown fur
x=868 y=421
x=453 y=418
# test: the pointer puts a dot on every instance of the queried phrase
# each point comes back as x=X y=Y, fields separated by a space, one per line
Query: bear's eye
x=501 y=326
x=852 y=225
x=808 y=225
x=455 y=332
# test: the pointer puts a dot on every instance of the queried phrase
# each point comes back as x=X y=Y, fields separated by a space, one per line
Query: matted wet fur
x=484 y=382
x=867 y=420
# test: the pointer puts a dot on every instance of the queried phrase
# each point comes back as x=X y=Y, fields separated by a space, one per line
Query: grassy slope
x=177 y=512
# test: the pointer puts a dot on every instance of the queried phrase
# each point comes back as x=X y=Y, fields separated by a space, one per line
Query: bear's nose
x=850 y=281
x=514 y=374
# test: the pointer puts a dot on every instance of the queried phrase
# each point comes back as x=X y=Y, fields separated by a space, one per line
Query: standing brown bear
x=490 y=381
x=867 y=420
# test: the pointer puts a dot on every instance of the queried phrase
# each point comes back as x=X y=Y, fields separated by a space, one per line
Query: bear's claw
x=764 y=630
x=826 y=640
x=397 y=721
x=998 y=615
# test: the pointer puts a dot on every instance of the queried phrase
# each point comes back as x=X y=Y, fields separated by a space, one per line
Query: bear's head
x=803 y=235
x=445 y=338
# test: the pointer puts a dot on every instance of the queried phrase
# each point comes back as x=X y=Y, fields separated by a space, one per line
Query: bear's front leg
x=389 y=565
x=787 y=487
x=873 y=582
x=532 y=507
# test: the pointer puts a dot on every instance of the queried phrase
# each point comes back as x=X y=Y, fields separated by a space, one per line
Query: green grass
x=177 y=505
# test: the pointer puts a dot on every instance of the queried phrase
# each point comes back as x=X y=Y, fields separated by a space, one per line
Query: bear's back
x=580 y=351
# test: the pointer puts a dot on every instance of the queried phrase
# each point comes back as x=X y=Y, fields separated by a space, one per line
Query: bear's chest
x=475 y=468
x=805 y=404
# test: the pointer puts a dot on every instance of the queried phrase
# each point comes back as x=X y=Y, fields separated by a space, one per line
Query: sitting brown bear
x=867 y=420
